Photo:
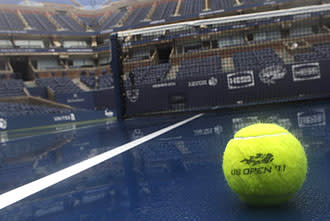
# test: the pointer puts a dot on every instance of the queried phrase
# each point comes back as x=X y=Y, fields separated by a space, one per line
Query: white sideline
x=15 y=195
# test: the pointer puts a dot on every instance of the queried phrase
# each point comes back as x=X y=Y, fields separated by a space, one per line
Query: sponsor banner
x=239 y=80
x=266 y=84
x=37 y=120
x=306 y=72
x=84 y=100
x=312 y=118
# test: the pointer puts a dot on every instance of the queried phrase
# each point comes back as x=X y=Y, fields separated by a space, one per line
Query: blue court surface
x=154 y=168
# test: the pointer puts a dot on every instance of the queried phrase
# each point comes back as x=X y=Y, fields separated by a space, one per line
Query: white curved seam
x=261 y=136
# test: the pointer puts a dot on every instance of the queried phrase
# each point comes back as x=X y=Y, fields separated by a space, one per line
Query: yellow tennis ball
x=264 y=164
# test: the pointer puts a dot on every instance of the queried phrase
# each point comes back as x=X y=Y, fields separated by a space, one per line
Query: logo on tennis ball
x=259 y=159
x=256 y=166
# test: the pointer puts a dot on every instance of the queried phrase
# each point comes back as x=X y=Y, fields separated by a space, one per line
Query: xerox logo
x=259 y=159
x=240 y=80
x=305 y=72
x=133 y=95
x=271 y=74
x=314 y=118
x=3 y=124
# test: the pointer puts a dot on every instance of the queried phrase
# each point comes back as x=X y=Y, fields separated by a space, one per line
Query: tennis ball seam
x=260 y=136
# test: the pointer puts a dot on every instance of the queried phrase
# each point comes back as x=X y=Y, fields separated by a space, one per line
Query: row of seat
x=318 y=53
x=11 y=88
x=60 y=85
x=9 y=20
x=21 y=109
x=100 y=82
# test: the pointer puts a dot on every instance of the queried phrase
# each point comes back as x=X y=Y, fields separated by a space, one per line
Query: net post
x=116 y=67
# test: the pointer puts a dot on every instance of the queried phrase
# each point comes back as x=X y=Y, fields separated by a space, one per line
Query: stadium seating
x=223 y=4
x=11 y=88
x=164 y=10
x=149 y=74
x=105 y=81
x=258 y=59
x=318 y=53
x=113 y=20
x=137 y=16
x=90 y=21
x=60 y=85
x=10 y=21
x=200 y=66
x=101 y=82
x=39 y=22
x=19 y=109
x=67 y=22
x=191 y=7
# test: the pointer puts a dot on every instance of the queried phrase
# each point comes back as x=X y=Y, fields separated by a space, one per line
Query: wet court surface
x=174 y=176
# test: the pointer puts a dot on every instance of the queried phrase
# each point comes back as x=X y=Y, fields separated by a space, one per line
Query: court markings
x=29 y=189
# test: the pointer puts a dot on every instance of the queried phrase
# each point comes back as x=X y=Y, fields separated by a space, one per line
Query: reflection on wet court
x=176 y=176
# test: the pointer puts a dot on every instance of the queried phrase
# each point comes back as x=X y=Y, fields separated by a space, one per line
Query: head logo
x=3 y=124
x=240 y=80
x=213 y=81
x=271 y=74
x=306 y=72
x=259 y=159
x=133 y=95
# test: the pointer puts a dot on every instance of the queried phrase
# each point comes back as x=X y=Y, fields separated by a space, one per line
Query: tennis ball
x=264 y=164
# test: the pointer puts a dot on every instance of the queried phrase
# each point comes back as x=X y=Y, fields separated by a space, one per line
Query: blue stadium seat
x=101 y=82
x=39 y=22
x=218 y=5
x=191 y=7
x=164 y=10
x=21 y=109
x=67 y=22
x=256 y=60
x=200 y=66
x=11 y=88
x=137 y=16
x=60 y=85
x=112 y=20
x=10 y=21
x=149 y=74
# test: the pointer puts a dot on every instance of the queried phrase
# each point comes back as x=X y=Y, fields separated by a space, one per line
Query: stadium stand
x=200 y=66
x=164 y=10
x=137 y=15
x=318 y=53
x=60 y=85
x=38 y=21
x=10 y=21
x=19 y=109
x=68 y=23
x=191 y=7
x=256 y=59
x=149 y=74
x=223 y=4
x=113 y=20
x=100 y=82
x=91 y=21
x=11 y=88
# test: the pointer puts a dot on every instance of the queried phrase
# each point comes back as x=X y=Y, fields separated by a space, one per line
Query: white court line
x=29 y=189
